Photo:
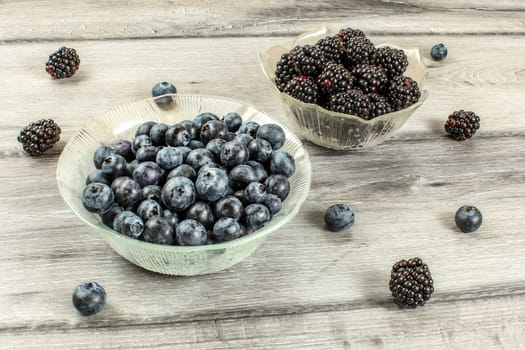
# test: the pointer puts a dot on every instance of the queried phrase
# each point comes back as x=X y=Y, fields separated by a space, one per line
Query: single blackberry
x=335 y=78
x=63 y=63
x=461 y=125
x=370 y=78
x=393 y=61
x=284 y=71
x=346 y=34
x=38 y=137
x=332 y=48
x=308 y=60
x=411 y=283
x=358 y=50
x=403 y=92
x=351 y=102
x=303 y=88
x=379 y=105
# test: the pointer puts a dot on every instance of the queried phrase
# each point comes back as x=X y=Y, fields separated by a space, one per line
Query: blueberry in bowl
x=192 y=209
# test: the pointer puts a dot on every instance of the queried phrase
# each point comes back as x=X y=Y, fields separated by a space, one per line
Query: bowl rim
x=327 y=30
x=258 y=234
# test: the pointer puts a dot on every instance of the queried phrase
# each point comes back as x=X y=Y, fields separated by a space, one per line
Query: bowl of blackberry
x=342 y=91
x=184 y=184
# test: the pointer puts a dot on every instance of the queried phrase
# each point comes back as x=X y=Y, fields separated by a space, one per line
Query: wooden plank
x=70 y=20
x=467 y=79
x=404 y=194
x=459 y=324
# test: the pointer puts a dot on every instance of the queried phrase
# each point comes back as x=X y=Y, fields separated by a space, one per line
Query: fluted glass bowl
x=76 y=161
x=337 y=130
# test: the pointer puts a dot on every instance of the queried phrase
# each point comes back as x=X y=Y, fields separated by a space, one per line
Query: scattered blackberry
x=411 y=283
x=38 y=137
x=284 y=71
x=370 y=78
x=461 y=125
x=358 y=50
x=335 y=78
x=379 y=105
x=393 y=61
x=332 y=48
x=63 y=63
x=351 y=102
x=303 y=88
x=308 y=60
x=403 y=92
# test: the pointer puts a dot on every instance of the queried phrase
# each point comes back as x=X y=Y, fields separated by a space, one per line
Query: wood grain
x=74 y=20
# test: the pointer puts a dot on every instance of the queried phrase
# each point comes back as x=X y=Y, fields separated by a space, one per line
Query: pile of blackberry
x=346 y=73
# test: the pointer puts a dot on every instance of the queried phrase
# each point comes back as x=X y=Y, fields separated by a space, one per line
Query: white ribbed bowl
x=76 y=161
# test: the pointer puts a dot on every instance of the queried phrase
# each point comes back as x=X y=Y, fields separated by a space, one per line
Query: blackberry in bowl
x=340 y=90
x=157 y=227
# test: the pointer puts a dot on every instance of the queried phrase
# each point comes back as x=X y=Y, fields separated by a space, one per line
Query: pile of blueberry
x=200 y=181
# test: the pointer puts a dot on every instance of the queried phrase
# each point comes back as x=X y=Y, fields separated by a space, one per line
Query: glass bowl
x=76 y=162
x=337 y=130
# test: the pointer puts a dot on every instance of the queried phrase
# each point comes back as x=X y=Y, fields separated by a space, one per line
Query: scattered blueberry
x=272 y=133
x=97 y=197
x=339 y=217
x=438 y=52
x=468 y=218
x=226 y=229
x=163 y=88
x=89 y=298
x=191 y=232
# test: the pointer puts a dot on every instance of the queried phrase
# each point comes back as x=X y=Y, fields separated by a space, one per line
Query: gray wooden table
x=305 y=288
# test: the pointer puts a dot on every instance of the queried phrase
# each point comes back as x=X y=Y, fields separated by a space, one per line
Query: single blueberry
x=157 y=134
x=114 y=166
x=108 y=216
x=215 y=147
x=144 y=128
x=249 y=128
x=124 y=149
x=260 y=171
x=151 y=192
x=226 y=229
x=89 y=298
x=177 y=135
x=129 y=224
x=169 y=158
x=148 y=209
x=171 y=217
x=241 y=176
x=438 y=52
x=229 y=207
x=234 y=153
x=191 y=128
x=141 y=141
x=339 y=217
x=208 y=166
x=185 y=150
x=131 y=166
x=241 y=196
x=212 y=184
x=183 y=170
x=163 y=88
x=178 y=193
x=98 y=175
x=190 y=233
x=233 y=121
x=272 y=133
x=255 y=192
x=97 y=197
x=202 y=212
x=282 y=163
x=260 y=150
x=199 y=157
x=278 y=185
x=213 y=129
x=468 y=218
x=203 y=118
x=245 y=139
x=101 y=153
x=196 y=144
x=273 y=203
x=147 y=153
x=147 y=173
x=158 y=230
x=256 y=216
x=127 y=191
